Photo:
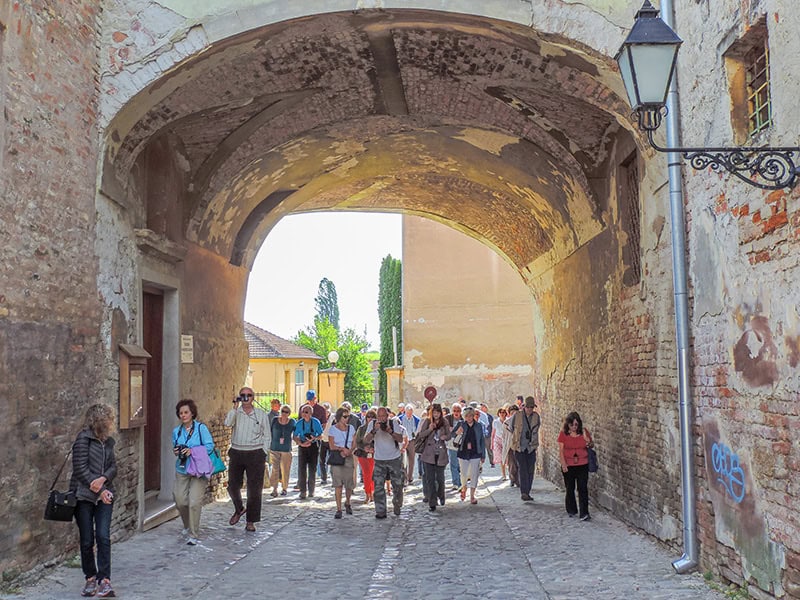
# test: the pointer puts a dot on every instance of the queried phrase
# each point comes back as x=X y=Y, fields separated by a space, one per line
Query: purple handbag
x=199 y=463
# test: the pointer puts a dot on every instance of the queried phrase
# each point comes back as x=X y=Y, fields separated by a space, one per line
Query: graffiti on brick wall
x=755 y=354
x=726 y=465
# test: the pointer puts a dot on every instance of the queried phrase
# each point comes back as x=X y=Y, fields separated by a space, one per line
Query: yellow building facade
x=279 y=368
x=467 y=319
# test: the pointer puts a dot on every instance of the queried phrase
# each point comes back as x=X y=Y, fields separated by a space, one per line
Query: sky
x=347 y=248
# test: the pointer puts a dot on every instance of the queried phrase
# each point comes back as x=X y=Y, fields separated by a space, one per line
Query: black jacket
x=92 y=458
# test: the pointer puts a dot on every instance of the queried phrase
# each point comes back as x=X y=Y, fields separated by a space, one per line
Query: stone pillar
x=331 y=387
x=394 y=386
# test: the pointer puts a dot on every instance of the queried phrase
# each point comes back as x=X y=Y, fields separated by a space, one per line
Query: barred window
x=630 y=217
x=759 y=107
x=747 y=62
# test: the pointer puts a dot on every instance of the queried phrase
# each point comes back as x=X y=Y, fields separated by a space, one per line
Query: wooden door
x=153 y=342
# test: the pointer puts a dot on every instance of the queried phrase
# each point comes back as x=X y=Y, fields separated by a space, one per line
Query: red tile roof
x=263 y=344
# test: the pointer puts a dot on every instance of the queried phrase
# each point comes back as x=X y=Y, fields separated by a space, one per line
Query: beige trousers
x=281 y=464
x=189 y=493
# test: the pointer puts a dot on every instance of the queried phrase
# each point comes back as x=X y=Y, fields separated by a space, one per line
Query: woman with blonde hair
x=93 y=469
x=471 y=452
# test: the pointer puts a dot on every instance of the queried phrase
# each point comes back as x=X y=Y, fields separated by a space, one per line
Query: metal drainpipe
x=689 y=560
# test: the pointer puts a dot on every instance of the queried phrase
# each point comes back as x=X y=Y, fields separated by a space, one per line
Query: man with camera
x=250 y=441
x=524 y=443
x=387 y=435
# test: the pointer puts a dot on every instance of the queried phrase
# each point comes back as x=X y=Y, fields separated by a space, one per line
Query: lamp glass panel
x=627 y=77
x=653 y=67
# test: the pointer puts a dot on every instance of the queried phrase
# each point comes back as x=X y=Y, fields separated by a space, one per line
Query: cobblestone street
x=499 y=548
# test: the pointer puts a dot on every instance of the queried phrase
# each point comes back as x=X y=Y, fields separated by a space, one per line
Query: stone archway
x=514 y=136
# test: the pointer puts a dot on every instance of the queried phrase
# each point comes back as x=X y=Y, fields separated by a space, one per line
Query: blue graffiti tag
x=731 y=475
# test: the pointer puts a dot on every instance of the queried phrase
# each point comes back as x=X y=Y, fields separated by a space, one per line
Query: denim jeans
x=455 y=470
x=94 y=526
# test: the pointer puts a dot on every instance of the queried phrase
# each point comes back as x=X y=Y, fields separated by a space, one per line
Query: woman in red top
x=573 y=442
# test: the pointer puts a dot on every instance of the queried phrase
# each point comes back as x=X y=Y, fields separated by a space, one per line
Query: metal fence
x=264 y=399
x=358 y=396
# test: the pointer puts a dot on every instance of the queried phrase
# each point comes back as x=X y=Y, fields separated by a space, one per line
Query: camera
x=241 y=399
x=384 y=425
x=181 y=457
x=527 y=435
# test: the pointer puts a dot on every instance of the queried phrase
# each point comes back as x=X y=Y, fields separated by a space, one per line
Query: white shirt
x=385 y=446
x=340 y=436
x=327 y=427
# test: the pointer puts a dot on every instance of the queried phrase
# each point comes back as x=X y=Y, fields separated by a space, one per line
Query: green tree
x=322 y=337
x=390 y=314
x=352 y=358
x=327 y=302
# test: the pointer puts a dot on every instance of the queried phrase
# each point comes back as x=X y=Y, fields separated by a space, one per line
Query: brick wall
x=746 y=386
x=50 y=345
x=619 y=375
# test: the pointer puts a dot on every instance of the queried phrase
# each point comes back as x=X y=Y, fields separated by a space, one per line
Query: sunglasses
x=247 y=395
x=285 y=412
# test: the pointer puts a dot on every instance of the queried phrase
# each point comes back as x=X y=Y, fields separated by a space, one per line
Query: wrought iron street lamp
x=647 y=63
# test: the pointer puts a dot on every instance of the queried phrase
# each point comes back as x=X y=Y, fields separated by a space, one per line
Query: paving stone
x=500 y=548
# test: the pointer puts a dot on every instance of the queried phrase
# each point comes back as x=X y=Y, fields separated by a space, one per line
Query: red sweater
x=575 y=452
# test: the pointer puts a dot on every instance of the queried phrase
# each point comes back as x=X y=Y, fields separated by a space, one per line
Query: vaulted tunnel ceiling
x=479 y=124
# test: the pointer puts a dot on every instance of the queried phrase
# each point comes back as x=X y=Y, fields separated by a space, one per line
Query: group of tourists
x=375 y=442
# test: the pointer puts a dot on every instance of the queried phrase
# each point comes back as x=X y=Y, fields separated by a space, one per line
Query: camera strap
x=530 y=427
x=190 y=434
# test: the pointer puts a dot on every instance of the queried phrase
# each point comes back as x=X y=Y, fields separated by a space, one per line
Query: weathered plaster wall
x=606 y=349
x=467 y=319
x=146 y=39
x=50 y=339
x=743 y=249
x=212 y=310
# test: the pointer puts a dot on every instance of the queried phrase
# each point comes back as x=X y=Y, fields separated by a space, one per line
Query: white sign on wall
x=187 y=349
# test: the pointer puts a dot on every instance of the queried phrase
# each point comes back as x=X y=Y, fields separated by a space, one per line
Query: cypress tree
x=390 y=313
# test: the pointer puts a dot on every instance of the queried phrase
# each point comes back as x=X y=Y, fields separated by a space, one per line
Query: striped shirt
x=250 y=432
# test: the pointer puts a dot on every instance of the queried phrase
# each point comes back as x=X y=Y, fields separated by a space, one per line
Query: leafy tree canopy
x=322 y=337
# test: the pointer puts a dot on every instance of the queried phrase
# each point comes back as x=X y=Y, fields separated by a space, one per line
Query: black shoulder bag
x=335 y=458
x=61 y=505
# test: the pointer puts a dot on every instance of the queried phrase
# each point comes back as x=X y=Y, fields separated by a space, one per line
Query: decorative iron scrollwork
x=775 y=168
x=765 y=168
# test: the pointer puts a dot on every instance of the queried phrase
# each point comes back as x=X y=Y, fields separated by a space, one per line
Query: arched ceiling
x=482 y=125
